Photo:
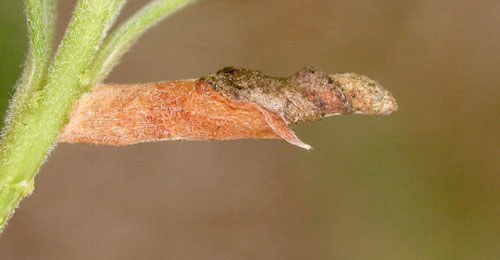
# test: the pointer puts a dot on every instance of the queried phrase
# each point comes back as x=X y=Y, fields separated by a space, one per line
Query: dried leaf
x=232 y=104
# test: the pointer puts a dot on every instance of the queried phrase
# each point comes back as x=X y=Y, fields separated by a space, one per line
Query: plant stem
x=41 y=16
x=45 y=97
x=30 y=134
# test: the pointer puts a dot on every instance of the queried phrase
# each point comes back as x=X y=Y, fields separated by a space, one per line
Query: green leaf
x=127 y=34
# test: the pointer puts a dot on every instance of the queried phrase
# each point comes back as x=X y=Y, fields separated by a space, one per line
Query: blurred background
x=423 y=183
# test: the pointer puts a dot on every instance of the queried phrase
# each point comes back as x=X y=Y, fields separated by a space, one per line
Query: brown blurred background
x=423 y=183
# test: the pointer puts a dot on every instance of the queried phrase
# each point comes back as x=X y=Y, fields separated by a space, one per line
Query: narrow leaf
x=127 y=34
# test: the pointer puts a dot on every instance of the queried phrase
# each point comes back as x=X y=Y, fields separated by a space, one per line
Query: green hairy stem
x=127 y=34
x=46 y=94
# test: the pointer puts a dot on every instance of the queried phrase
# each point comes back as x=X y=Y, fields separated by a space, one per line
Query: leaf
x=232 y=104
